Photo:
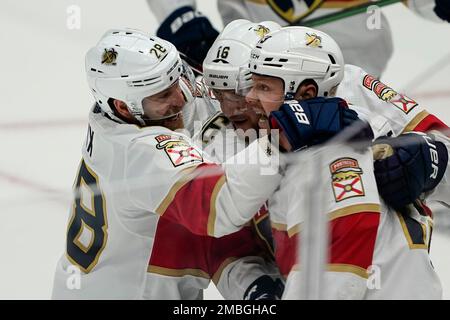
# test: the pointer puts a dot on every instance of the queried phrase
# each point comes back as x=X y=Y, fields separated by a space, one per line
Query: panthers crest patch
x=346 y=175
x=388 y=94
x=178 y=150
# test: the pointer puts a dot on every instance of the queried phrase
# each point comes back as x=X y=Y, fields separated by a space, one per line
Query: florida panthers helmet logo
x=313 y=40
x=261 y=30
x=109 y=57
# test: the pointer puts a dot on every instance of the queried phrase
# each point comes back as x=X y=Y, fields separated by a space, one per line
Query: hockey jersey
x=363 y=228
x=222 y=141
x=372 y=248
x=391 y=112
x=373 y=252
x=361 y=44
x=365 y=235
x=137 y=189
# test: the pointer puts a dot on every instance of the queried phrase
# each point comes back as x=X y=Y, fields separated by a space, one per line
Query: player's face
x=237 y=110
x=266 y=95
x=165 y=108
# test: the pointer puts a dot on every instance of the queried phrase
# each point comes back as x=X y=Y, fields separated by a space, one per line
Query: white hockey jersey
x=370 y=48
x=143 y=195
x=406 y=236
x=390 y=112
x=354 y=252
x=221 y=141
x=374 y=252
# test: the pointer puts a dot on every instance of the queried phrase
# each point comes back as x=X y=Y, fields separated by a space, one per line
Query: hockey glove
x=190 y=32
x=313 y=121
x=407 y=166
x=264 y=288
x=442 y=9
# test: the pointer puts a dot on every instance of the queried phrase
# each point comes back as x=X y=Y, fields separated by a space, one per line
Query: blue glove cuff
x=190 y=32
x=441 y=166
x=287 y=121
x=442 y=9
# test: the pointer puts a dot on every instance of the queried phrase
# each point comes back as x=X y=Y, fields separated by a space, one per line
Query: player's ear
x=306 y=90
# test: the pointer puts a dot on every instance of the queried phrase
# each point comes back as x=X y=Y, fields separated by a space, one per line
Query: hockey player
x=226 y=72
x=226 y=61
x=302 y=63
x=140 y=176
x=389 y=112
x=370 y=48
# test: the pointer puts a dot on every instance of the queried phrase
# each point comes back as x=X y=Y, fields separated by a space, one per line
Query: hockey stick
x=349 y=12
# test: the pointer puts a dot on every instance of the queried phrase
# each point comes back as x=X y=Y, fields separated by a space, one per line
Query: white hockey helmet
x=295 y=54
x=129 y=65
x=227 y=59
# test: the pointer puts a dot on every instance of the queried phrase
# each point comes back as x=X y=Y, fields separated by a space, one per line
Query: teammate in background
x=193 y=34
x=364 y=232
x=142 y=185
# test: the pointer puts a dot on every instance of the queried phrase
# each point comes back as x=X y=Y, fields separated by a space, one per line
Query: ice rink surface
x=45 y=102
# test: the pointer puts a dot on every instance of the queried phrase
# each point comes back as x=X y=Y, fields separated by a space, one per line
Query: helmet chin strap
x=172 y=116
x=159 y=121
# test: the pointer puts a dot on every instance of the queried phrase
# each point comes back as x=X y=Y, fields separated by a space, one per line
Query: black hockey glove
x=407 y=166
x=313 y=121
x=190 y=31
x=442 y=9
x=265 y=288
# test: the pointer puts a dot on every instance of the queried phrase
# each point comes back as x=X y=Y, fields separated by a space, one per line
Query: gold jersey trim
x=188 y=175
x=350 y=268
x=223 y=265
x=212 y=205
x=409 y=240
x=340 y=267
x=357 y=208
x=366 y=207
x=178 y=272
x=415 y=121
